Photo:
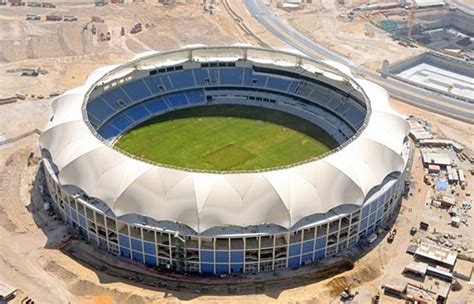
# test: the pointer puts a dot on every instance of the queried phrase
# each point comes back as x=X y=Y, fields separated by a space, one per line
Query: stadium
x=324 y=166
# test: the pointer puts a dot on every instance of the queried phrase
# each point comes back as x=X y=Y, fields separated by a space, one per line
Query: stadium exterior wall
x=219 y=254
x=284 y=218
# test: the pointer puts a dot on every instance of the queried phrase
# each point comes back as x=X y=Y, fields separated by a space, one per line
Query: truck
x=136 y=28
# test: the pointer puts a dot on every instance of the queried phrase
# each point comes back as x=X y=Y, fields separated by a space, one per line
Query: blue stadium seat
x=93 y=120
x=278 y=83
x=108 y=132
x=231 y=76
x=153 y=82
x=177 y=100
x=116 y=98
x=100 y=109
x=343 y=107
x=182 y=79
x=195 y=96
x=137 y=112
x=120 y=122
x=156 y=106
x=136 y=90
x=304 y=89
x=334 y=103
x=166 y=82
x=247 y=81
x=293 y=86
x=259 y=80
x=355 y=116
x=201 y=75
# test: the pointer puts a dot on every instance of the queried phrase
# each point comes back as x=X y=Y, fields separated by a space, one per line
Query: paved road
x=410 y=94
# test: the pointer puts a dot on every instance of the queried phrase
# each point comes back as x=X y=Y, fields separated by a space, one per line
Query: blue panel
x=67 y=210
x=293 y=262
x=150 y=260
x=177 y=100
x=236 y=268
x=113 y=96
x=379 y=213
x=137 y=256
x=247 y=77
x=207 y=268
x=83 y=233
x=295 y=249
x=236 y=256
x=231 y=76
x=222 y=257
x=74 y=215
x=136 y=90
x=136 y=244
x=363 y=223
x=365 y=211
x=320 y=254
x=149 y=248
x=370 y=230
x=293 y=86
x=125 y=252
x=380 y=202
x=207 y=256
x=82 y=221
x=200 y=75
x=222 y=268
x=137 y=113
x=308 y=246
x=108 y=132
x=307 y=258
x=153 y=83
x=156 y=106
x=99 y=109
x=182 y=79
x=371 y=219
x=320 y=243
x=124 y=240
x=278 y=83
x=195 y=96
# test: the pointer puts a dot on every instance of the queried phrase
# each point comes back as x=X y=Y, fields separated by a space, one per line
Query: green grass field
x=226 y=138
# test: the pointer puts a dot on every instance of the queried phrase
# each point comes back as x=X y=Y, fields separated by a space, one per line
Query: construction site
x=425 y=256
x=442 y=74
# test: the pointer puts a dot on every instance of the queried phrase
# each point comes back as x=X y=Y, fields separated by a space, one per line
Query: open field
x=227 y=138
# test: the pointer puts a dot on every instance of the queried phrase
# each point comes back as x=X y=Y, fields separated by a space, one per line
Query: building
x=211 y=222
x=7 y=292
x=447 y=201
x=435 y=255
x=436 y=158
x=439 y=143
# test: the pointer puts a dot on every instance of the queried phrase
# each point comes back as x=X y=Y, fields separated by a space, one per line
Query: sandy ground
x=358 y=40
x=29 y=258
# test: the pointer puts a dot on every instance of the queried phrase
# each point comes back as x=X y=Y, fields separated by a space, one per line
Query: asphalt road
x=405 y=92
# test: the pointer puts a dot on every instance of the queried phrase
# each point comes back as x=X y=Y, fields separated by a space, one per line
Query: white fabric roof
x=205 y=200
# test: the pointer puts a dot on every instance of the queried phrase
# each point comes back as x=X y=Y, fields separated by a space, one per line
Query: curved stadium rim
x=190 y=58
